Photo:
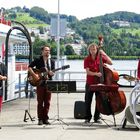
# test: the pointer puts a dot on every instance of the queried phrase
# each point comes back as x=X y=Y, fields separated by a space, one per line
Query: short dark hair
x=42 y=48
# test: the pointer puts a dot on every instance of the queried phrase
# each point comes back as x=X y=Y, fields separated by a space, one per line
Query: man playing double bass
x=91 y=65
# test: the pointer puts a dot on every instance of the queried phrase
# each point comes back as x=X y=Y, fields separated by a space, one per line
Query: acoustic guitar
x=43 y=75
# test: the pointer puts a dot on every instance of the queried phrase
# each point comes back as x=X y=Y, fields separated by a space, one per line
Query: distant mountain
x=121 y=31
x=121 y=15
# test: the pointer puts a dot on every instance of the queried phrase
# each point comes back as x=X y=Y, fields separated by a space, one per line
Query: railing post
x=69 y=76
x=20 y=85
x=130 y=75
x=135 y=74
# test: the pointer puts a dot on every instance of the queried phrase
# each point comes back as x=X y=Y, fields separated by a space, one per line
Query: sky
x=79 y=8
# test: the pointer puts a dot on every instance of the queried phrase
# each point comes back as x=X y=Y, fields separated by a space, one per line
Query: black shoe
x=97 y=121
x=40 y=122
x=97 y=118
x=46 y=122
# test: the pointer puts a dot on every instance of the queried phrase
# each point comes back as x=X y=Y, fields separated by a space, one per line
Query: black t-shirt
x=3 y=72
x=39 y=63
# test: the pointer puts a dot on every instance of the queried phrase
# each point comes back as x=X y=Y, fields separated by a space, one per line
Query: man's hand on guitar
x=51 y=73
x=36 y=77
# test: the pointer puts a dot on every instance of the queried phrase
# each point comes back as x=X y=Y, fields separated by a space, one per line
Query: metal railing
x=79 y=77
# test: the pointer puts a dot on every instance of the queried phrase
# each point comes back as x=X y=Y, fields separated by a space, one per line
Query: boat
x=13 y=66
x=21 y=66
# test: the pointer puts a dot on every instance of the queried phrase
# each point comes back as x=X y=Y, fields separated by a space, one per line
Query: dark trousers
x=1 y=103
x=43 y=105
x=88 y=102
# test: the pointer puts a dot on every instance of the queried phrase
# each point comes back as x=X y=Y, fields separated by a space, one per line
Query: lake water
x=77 y=65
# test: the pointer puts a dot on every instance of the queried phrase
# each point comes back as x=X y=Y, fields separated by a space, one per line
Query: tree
x=84 y=51
x=41 y=29
x=40 y=13
x=38 y=43
x=69 y=50
x=12 y=16
x=27 y=10
x=32 y=34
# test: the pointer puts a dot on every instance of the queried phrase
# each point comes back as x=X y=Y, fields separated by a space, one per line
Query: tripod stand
x=27 y=111
x=58 y=86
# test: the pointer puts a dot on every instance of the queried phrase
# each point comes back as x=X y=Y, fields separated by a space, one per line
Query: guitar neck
x=56 y=69
x=61 y=68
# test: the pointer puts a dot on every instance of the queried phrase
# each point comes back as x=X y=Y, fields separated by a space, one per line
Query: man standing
x=3 y=76
x=43 y=94
x=91 y=65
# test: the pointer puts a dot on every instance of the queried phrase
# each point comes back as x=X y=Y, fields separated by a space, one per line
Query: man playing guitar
x=43 y=94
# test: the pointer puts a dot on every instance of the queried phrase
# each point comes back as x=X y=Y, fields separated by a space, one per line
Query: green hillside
x=133 y=31
x=29 y=21
x=121 y=32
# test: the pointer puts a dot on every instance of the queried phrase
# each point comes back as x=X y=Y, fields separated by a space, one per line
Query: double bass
x=109 y=100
